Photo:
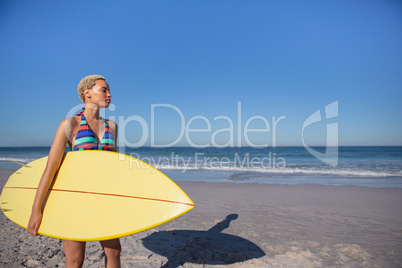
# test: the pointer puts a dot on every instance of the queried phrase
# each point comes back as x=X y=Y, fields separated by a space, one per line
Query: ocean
x=368 y=166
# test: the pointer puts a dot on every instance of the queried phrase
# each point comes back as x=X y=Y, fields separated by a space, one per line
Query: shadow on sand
x=202 y=247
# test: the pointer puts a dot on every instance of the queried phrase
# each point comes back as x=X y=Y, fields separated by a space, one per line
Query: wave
x=285 y=171
x=22 y=160
x=293 y=171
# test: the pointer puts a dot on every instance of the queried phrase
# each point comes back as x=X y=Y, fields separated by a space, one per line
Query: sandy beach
x=246 y=225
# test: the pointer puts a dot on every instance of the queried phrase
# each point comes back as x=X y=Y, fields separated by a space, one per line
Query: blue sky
x=205 y=59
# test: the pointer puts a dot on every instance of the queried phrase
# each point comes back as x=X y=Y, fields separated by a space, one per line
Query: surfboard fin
x=19 y=163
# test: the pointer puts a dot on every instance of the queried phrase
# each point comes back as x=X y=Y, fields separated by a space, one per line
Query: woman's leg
x=112 y=251
x=74 y=252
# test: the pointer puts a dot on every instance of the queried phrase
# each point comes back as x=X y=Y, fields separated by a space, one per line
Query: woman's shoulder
x=72 y=120
x=70 y=123
x=111 y=123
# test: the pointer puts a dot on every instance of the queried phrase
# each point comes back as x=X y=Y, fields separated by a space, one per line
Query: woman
x=85 y=131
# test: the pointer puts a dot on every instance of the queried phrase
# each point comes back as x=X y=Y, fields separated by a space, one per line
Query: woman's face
x=99 y=94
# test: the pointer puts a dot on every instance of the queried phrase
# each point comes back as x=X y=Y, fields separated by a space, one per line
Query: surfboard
x=95 y=195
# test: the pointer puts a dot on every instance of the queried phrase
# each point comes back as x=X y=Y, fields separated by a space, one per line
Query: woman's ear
x=87 y=93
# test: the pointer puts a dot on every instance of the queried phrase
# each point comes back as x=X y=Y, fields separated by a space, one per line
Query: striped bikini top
x=86 y=139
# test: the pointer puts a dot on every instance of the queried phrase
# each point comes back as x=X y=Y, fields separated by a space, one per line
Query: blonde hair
x=87 y=83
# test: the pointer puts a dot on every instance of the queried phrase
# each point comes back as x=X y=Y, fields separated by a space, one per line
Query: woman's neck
x=91 y=112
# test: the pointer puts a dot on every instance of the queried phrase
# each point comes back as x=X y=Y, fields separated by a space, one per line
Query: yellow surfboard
x=96 y=195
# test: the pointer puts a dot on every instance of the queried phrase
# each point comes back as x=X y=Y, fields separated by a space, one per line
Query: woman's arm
x=53 y=164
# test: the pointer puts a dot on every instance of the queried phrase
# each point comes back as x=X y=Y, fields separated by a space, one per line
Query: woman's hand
x=34 y=223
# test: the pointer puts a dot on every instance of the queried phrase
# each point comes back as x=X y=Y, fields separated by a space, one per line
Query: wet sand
x=246 y=225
